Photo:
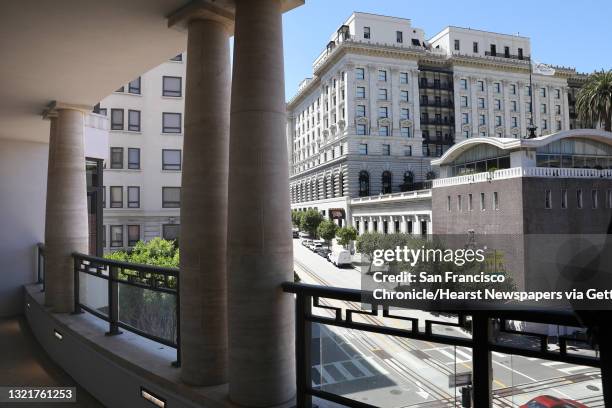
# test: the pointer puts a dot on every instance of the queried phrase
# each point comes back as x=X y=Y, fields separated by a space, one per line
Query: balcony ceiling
x=75 y=51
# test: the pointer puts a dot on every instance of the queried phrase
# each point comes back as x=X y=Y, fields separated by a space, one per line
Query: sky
x=567 y=33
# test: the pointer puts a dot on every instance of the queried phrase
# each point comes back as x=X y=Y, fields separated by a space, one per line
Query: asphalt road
x=390 y=371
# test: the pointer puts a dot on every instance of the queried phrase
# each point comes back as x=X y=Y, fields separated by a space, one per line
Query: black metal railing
x=143 y=299
x=40 y=264
x=442 y=104
x=479 y=322
x=504 y=55
x=444 y=86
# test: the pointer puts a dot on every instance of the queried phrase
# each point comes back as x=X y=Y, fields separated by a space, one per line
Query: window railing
x=320 y=307
x=143 y=299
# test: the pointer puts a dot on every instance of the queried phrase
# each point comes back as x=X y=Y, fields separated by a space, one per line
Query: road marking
x=553 y=363
x=376 y=365
x=514 y=371
x=500 y=355
x=572 y=369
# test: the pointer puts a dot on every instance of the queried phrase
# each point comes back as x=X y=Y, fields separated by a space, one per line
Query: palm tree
x=594 y=100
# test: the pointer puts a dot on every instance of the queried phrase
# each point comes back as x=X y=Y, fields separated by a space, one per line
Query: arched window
x=364 y=184
x=386 y=182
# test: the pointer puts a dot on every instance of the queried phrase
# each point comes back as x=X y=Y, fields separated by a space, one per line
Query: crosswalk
x=341 y=371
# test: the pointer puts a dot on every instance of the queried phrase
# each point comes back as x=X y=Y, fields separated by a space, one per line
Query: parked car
x=548 y=401
x=296 y=233
x=315 y=245
x=304 y=235
x=322 y=252
x=306 y=242
x=340 y=257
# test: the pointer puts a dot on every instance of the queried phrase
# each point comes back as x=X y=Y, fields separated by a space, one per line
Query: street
x=391 y=371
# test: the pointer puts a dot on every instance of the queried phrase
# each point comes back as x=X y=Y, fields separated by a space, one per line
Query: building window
x=497 y=87
x=361 y=130
x=405 y=131
x=116 y=154
x=548 y=199
x=407 y=151
x=498 y=120
x=382 y=75
x=557 y=94
x=171 y=159
x=134 y=120
x=465 y=118
x=399 y=37
x=116 y=197
x=133 y=234
x=594 y=199
x=459 y=203
x=383 y=112
x=557 y=109
x=544 y=124
x=171 y=122
x=386 y=150
x=493 y=50
x=116 y=119
x=386 y=182
x=528 y=107
x=177 y=58
x=383 y=131
x=470 y=202
x=514 y=121
x=466 y=134
x=448 y=203
x=520 y=53
x=495 y=200
x=564 y=198
x=363 y=148
x=513 y=89
x=102 y=111
x=463 y=83
x=171 y=197
x=134 y=86
x=403 y=77
x=171 y=232
x=543 y=108
x=543 y=92
x=609 y=198
x=464 y=101
x=404 y=113
x=514 y=106
x=360 y=92
x=481 y=103
x=579 y=199
x=116 y=235
x=482 y=120
x=359 y=73
x=559 y=126
x=133 y=195
x=364 y=183
x=172 y=86
x=133 y=158
x=361 y=112
x=404 y=96
x=382 y=94
x=366 y=33
x=481 y=86
x=482 y=202
x=498 y=104
x=457 y=45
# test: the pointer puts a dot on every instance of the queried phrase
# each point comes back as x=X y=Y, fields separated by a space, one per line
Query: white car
x=340 y=257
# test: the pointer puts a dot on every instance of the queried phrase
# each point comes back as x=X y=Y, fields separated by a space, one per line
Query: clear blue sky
x=562 y=32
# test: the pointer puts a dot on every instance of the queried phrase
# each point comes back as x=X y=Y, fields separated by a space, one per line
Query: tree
x=327 y=230
x=310 y=221
x=346 y=235
x=594 y=100
x=296 y=217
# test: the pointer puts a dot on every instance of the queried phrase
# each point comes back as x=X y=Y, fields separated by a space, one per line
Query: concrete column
x=370 y=224
x=361 y=225
x=260 y=249
x=380 y=224
x=204 y=198
x=392 y=225
x=416 y=226
x=66 y=220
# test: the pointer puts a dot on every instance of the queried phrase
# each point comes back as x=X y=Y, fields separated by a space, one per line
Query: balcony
x=446 y=86
x=328 y=323
x=504 y=55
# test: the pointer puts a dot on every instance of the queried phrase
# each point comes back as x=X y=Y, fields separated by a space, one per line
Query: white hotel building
x=383 y=101
x=142 y=176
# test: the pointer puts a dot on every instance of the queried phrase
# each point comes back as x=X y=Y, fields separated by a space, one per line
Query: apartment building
x=142 y=174
x=383 y=100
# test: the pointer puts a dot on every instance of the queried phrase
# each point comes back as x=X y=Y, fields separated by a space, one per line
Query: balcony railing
x=548 y=172
x=445 y=104
x=339 y=308
x=446 y=86
x=143 y=299
x=437 y=122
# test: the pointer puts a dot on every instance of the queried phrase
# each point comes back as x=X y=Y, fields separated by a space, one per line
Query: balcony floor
x=23 y=362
